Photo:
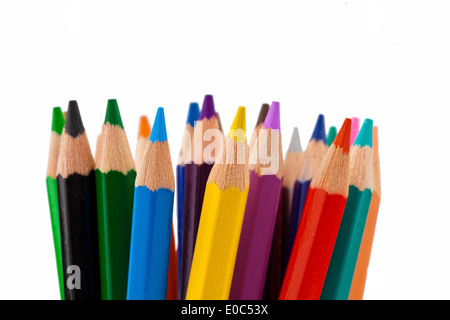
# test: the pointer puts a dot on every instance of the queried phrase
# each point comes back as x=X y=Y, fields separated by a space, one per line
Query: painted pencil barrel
x=150 y=244
x=304 y=277
x=180 y=202
x=342 y=265
x=256 y=237
x=115 y=193
x=219 y=229
x=52 y=191
x=79 y=236
x=196 y=177
x=298 y=203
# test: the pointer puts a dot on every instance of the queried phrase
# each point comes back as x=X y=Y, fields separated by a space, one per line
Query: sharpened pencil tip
x=262 y=114
x=58 y=120
x=238 y=127
x=74 y=125
x=295 y=145
x=208 y=109
x=273 y=117
x=193 y=113
x=113 y=114
x=319 y=133
x=159 y=132
x=355 y=130
x=364 y=137
x=331 y=135
x=342 y=139
x=144 y=127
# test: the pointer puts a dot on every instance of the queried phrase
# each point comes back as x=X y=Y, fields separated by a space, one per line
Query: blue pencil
x=184 y=157
x=314 y=154
x=152 y=219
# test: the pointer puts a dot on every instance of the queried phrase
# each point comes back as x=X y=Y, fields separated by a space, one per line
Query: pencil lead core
x=58 y=120
x=144 y=127
x=295 y=145
x=208 y=110
x=342 y=139
x=364 y=137
x=262 y=114
x=159 y=132
x=74 y=125
x=273 y=117
x=319 y=133
x=238 y=127
x=193 y=114
x=113 y=114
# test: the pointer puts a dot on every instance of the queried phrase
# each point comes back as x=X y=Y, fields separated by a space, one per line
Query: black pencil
x=78 y=211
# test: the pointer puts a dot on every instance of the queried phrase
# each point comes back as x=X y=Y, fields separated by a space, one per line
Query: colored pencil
x=196 y=176
x=362 y=264
x=52 y=190
x=314 y=154
x=221 y=219
x=185 y=156
x=345 y=253
x=78 y=211
x=144 y=132
x=355 y=130
x=332 y=132
x=115 y=175
x=318 y=228
x=260 y=213
x=259 y=123
x=172 y=273
x=152 y=218
x=292 y=167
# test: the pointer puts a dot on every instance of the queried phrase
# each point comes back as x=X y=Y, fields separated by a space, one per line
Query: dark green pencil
x=115 y=175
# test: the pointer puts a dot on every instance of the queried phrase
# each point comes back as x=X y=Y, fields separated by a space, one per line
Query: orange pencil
x=360 y=275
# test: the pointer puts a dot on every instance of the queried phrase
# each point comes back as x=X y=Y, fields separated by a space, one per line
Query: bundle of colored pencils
x=250 y=223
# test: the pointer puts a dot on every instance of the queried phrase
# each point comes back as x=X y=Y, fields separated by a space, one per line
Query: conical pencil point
x=319 y=133
x=58 y=120
x=208 y=109
x=364 y=137
x=342 y=139
x=295 y=144
x=159 y=132
x=144 y=127
x=74 y=125
x=238 y=127
x=113 y=114
x=262 y=114
x=193 y=114
x=273 y=117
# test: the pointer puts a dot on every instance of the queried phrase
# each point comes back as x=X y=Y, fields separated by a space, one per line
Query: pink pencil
x=355 y=130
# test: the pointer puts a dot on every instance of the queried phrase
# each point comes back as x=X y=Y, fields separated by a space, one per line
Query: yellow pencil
x=221 y=218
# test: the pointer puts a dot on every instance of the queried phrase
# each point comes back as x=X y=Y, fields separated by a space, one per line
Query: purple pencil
x=266 y=175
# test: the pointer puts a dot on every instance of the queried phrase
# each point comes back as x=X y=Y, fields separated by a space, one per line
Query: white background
x=387 y=60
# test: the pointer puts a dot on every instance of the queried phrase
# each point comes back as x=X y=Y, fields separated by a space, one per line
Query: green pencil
x=346 y=249
x=114 y=175
x=331 y=135
x=52 y=189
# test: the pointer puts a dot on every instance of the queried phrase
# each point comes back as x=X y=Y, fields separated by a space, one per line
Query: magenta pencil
x=260 y=212
x=355 y=130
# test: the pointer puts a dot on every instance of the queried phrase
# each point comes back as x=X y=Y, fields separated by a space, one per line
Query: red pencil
x=319 y=226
